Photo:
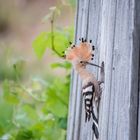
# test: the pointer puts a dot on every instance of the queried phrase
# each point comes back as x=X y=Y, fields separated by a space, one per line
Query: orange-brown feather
x=82 y=52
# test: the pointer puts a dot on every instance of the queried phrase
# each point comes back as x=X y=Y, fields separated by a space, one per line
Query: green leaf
x=61 y=90
x=61 y=41
x=54 y=106
x=24 y=134
x=57 y=97
x=39 y=126
x=65 y=65
x=26 y=116
x=10 y=93
x=44 y=40
x=41 y=43
x=62 y=122
x=6 y=117
x=30 y=111
x=53 y=131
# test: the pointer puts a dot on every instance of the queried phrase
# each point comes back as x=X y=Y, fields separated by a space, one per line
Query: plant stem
x=52 y=33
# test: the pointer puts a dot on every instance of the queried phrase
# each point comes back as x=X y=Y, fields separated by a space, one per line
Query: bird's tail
x=91 y=107
x=95 y=126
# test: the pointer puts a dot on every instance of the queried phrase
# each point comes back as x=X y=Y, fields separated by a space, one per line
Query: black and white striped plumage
x=88 y=93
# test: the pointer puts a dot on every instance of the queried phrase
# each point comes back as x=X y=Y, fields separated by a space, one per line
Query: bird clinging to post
x=79 y=56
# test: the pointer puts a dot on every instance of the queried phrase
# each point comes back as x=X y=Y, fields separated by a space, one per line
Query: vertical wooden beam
x=137 y=43
x=114 y=27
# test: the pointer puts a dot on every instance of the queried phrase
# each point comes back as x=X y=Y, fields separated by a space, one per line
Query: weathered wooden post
x=114 y=27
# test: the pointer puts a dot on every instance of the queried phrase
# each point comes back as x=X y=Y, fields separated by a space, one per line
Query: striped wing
x=88 y=92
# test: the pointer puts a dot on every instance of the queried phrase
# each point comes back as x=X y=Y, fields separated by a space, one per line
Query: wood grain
x=114 y=27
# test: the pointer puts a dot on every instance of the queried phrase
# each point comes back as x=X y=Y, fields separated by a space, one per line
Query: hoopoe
x=79 y=56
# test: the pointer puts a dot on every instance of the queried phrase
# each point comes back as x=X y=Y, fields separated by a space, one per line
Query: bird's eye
x=81 y=62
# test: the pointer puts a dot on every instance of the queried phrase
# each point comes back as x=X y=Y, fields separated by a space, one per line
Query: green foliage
x=41 y=43
x=62 y=37
x=59 y=99
x=24 y=134
x=10 y=93
x=57 y=39
x=65 y=65
x=5 y=117
x=27 y=116
x=38 y=111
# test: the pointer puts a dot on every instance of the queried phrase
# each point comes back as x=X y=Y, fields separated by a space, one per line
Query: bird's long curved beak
x=94 y=64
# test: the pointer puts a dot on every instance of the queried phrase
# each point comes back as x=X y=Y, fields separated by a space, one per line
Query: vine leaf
x=61 y=40
x=41 y=43
x=65 y=65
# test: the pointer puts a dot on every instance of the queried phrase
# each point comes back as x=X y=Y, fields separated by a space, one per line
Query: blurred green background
x=34 y=79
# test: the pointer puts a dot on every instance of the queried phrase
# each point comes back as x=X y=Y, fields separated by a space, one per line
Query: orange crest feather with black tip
x=81 y=52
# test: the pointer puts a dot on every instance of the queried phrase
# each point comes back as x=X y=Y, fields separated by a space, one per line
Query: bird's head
x=80 y=54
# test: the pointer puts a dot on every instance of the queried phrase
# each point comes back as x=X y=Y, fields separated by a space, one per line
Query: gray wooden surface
x=114 y=27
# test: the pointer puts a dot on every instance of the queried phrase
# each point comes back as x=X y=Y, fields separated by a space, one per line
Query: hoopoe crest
x=80 y=53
